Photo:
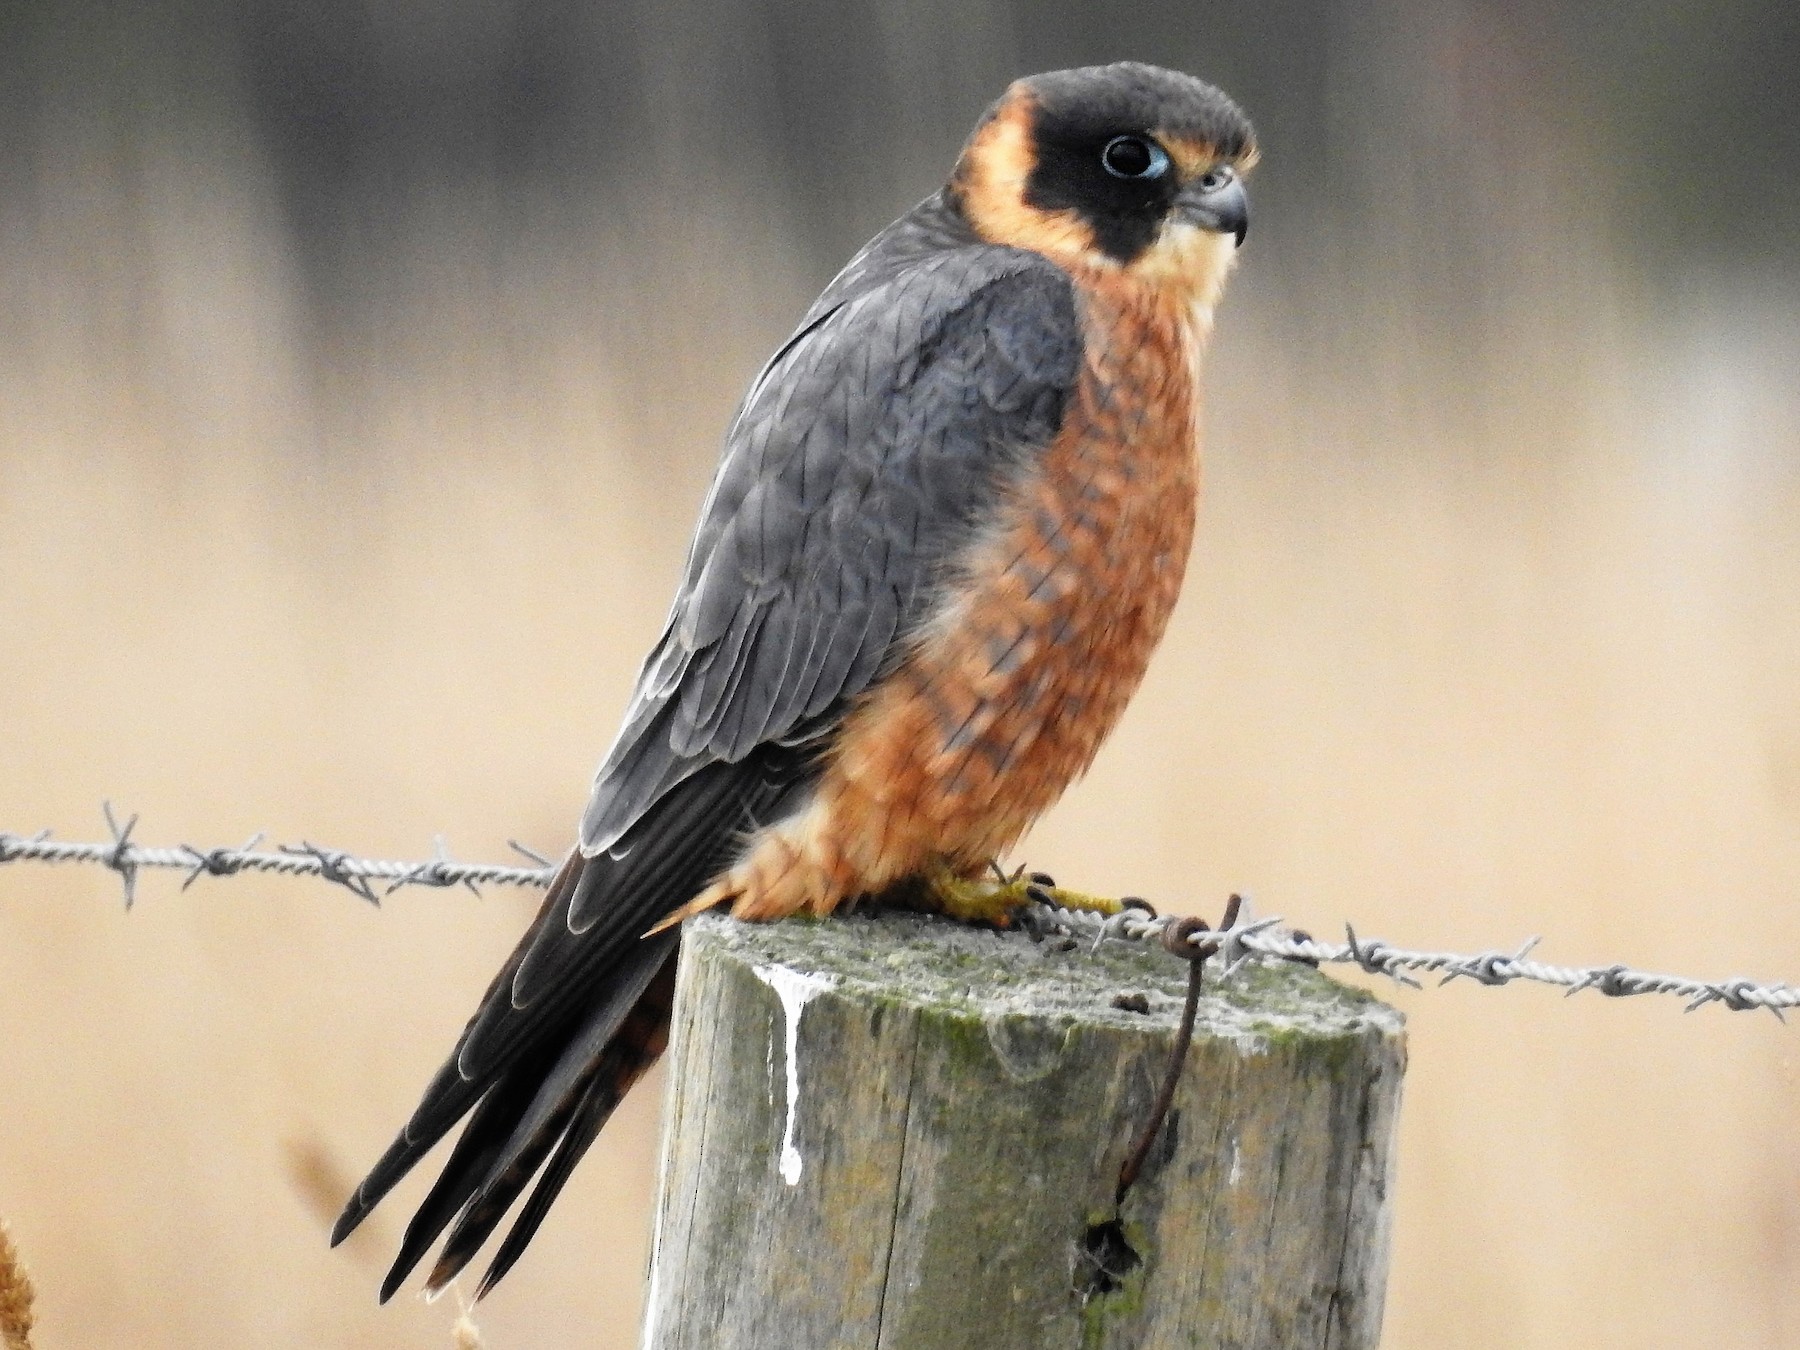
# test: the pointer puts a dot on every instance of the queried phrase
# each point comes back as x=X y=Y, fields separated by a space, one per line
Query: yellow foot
x=996 y=897
x=990 y=899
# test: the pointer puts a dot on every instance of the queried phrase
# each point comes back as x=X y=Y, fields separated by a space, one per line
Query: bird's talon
x=996 y=900
x=980 y=899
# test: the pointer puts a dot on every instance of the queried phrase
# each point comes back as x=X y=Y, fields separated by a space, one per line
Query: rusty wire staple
x=1195 y=941
x=1262 y=937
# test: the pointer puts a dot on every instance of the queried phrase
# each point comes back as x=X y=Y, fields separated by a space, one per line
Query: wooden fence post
x=887 y=1132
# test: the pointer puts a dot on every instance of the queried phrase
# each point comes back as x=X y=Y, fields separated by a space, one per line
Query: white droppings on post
x=795 y=990
x=652 y=1305
x=1237 y=1165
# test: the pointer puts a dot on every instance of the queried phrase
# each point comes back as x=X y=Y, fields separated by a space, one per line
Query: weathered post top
x=894 y=1132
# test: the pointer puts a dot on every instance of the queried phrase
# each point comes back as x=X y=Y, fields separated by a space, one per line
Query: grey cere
x=1243 y=939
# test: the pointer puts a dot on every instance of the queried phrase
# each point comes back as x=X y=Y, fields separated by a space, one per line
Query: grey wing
x=864 y=455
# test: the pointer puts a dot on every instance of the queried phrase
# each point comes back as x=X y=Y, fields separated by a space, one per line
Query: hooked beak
x=1221 y=208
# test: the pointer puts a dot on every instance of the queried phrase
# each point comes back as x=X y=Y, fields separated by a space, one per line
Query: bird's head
x=1125 y=167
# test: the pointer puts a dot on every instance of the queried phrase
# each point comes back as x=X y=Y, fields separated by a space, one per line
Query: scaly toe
x=991 y=900
x=1046 y=892
x=996 y=898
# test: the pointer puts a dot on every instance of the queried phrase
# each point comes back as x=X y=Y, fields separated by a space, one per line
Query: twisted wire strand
x=126 y=858
x=1243 y=938
x=1265 y=937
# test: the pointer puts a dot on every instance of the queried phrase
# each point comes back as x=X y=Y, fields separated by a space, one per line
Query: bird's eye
x=1215 y=178
x=1134 y=157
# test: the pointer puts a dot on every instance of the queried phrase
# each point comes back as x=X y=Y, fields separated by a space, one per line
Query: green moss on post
x=934 y=1167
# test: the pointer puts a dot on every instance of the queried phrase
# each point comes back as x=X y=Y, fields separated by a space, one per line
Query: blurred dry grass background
x=361 y=372
x=16 y=1297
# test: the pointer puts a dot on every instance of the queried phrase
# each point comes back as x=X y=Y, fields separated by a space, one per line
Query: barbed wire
x=355 y=874
x=1242 y=937
x=1266 y=937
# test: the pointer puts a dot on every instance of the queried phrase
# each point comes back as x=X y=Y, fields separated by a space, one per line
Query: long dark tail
x=574 y=1018
x=519 y=1125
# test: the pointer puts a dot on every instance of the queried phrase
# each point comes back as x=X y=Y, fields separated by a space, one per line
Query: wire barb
x=336 y=866
x=440 y=871
x=530 y=853
x=119 y=859
x=217 y=862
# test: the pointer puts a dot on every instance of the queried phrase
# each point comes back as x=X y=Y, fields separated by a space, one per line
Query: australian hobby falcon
x=948 y=528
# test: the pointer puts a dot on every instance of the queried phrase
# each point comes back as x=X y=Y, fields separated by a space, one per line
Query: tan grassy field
x=1476 y=645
